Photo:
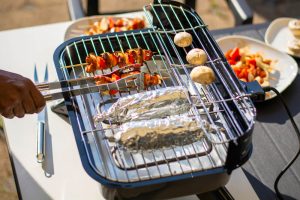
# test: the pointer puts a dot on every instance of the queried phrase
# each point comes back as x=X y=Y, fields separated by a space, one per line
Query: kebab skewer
x=148 y=79
x=131 y=57
x=133 y=79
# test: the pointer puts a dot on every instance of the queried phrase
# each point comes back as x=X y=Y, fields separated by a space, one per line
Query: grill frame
x=239 y=150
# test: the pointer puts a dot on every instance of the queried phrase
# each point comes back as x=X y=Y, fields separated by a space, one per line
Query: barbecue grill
x=199 y=167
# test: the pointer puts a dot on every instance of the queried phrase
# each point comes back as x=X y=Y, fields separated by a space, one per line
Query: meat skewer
x=148 y=79
x=131 y=57
x=145 y=80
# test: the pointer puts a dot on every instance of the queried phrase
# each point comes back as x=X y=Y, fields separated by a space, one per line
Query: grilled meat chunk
x=132 y=57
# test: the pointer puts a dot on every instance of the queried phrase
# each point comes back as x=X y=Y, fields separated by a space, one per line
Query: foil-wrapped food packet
x=160 y=133
x=148 y=105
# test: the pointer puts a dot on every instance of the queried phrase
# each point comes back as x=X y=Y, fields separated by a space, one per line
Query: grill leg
x=220 y=194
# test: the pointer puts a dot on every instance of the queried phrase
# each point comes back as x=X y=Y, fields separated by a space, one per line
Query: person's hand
x=18 y=96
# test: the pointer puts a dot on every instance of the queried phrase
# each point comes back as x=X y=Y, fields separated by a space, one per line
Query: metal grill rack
x=223 y=103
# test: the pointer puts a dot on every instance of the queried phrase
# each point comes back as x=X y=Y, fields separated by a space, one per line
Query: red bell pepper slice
x=235 y=54
x=231 y=62
x=101 y=63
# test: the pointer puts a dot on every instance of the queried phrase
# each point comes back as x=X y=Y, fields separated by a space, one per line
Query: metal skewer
x=75 y=65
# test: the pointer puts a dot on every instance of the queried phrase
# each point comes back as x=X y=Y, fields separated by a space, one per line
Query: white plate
x=278 y=35
x=286 y=67
x=78 y=27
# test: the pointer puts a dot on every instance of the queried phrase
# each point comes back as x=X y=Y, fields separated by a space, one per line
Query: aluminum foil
x=159 y=133
x=148 y=105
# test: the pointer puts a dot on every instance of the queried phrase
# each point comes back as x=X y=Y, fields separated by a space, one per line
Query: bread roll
x=183 y=39
x=294 y=26
x=196 y=57
x=203 y=75
x=294 y=46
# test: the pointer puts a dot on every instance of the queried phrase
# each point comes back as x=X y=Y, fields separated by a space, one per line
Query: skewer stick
x=45 y=85
x=84 y=64
x=76 y=65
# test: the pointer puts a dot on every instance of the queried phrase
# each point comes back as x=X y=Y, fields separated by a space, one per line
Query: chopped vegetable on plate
x=250 y=66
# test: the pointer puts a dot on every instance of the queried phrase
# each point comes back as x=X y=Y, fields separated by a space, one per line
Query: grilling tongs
x=86 y=85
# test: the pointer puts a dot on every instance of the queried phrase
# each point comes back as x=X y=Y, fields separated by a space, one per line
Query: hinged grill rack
x=223 y=103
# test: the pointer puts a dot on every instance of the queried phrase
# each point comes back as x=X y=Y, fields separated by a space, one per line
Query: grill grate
x=222 y=103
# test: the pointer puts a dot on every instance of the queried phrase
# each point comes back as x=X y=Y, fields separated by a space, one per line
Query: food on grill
x=160 y=133
x=250 y=66
x=196 y=57
x=149 y=79
x=109 y=24
x=108 y=60
x=183 y=39
x=147 y=105
x=294 y=46
x=294 y=26
x=203 y=75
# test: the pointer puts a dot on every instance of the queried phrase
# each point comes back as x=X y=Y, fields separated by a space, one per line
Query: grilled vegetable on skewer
x=148 y=79
x=147 y=105
x=108 y=60
x=203 y=75
x=183 y=39
x=196 y=57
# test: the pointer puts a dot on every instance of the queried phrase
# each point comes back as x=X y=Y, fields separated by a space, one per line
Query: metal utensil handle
x=40 y=154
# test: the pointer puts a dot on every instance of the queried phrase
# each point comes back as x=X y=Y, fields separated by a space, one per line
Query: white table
x=20 y=49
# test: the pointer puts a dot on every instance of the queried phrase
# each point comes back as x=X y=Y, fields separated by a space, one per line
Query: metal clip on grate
x=223 y=103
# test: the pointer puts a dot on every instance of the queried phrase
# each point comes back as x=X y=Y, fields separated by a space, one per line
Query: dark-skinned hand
x=18 y=96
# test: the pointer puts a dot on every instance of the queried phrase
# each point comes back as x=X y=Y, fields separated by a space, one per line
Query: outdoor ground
x=24 y=13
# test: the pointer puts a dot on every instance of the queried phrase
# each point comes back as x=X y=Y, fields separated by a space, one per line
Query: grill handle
x=40 y=155
x=239 y=151
x=255 y=90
